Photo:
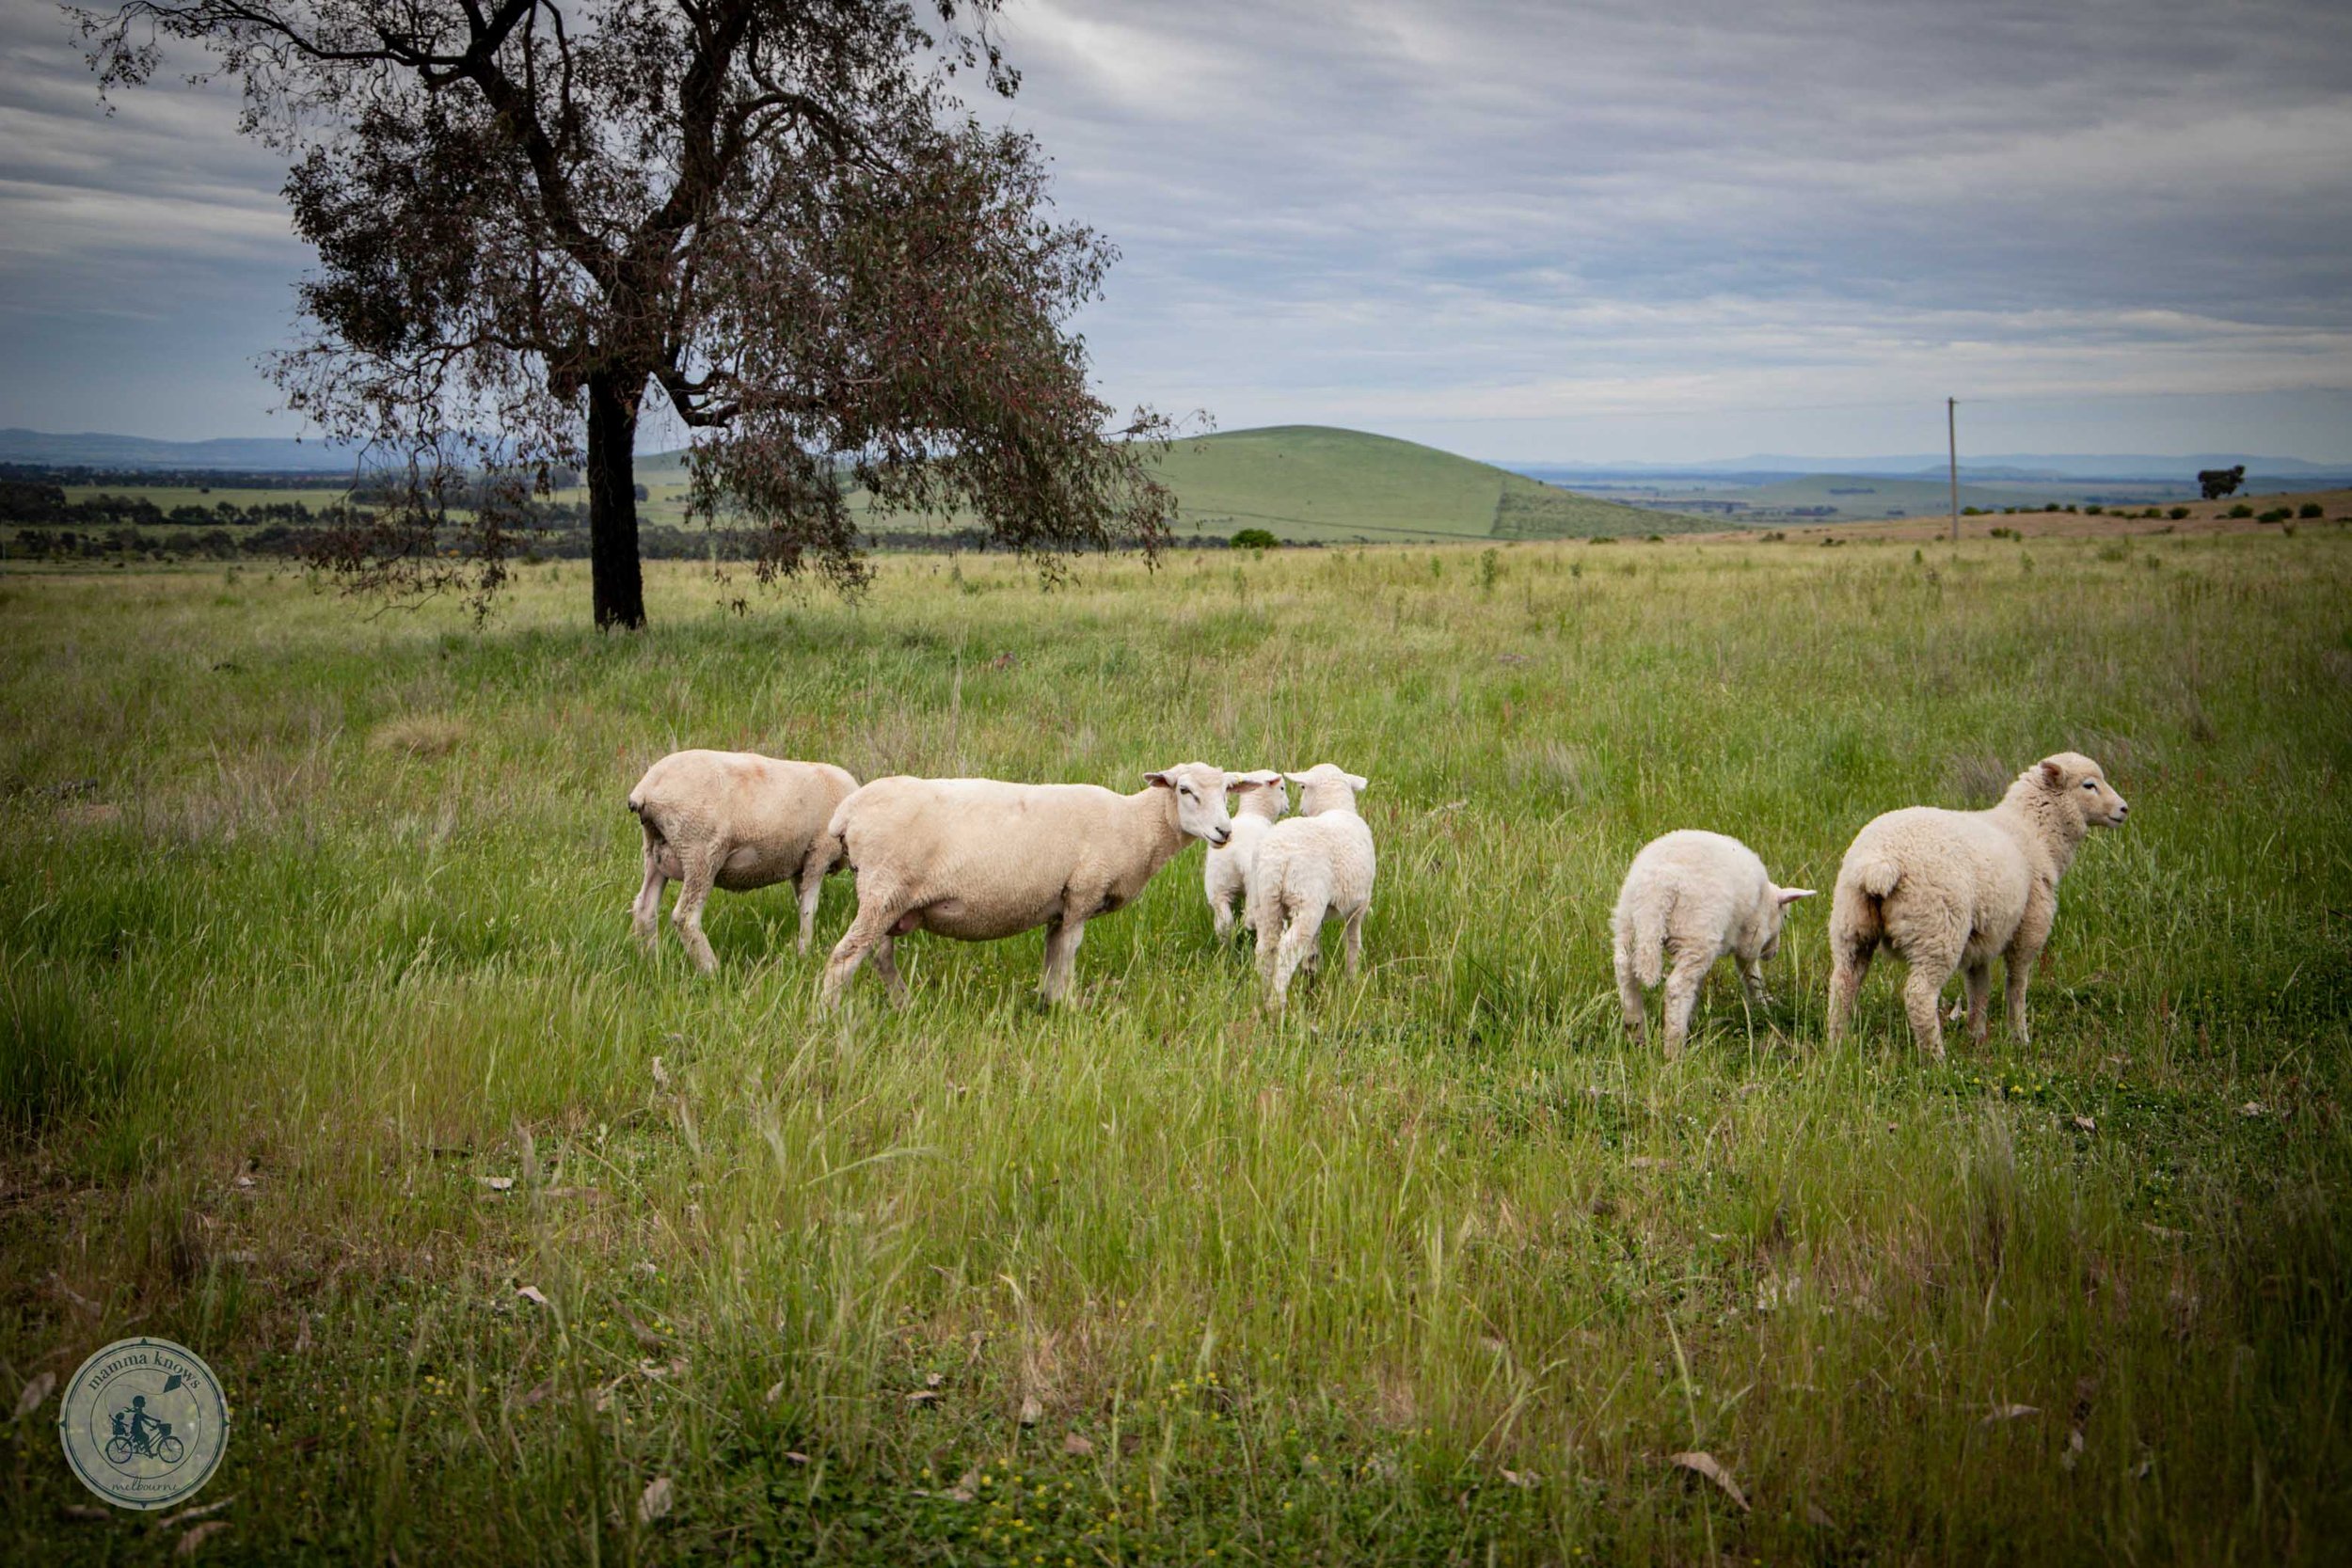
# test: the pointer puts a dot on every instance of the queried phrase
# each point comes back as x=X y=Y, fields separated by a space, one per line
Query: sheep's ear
x=1160 y=781
x=1357 y=783
x=1790 y=895
x=1265 y=776
x=1299 y=779
x=2052 y=774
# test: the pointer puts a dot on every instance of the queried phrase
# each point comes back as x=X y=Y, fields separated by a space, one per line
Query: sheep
x=1315 y=868
x=1225 y=877
x=736 y=820
x=1951 y=890
x=979 y=860
x=1699 y=896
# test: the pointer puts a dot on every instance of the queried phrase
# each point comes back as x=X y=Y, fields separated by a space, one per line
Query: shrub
x=1255 y=539
x=2309 y=509
x=2276 y=514
x=2093 y=509
x=2241 y=510
x=1970 y=512
x=2177 y=513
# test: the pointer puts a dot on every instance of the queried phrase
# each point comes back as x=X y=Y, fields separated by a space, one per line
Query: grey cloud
x=1518 y=215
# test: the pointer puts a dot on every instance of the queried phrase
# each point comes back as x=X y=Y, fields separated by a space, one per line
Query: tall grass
x=315 y=921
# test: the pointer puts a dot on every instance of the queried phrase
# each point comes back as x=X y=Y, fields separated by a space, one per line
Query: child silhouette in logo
x=142 y=1431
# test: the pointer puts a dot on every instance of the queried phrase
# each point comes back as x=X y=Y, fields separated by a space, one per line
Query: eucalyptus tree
x=773 y=216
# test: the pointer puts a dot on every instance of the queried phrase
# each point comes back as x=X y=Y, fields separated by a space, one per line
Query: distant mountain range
x=281 y=454
x=245 y=454
x=2014 y=466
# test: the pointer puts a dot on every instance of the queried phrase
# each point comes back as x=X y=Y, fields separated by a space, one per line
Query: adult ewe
x=1697 y=895
x=977 y=860
x=1261 y=799
x=1952 y=889
x=1315 y=868
x=736 y=820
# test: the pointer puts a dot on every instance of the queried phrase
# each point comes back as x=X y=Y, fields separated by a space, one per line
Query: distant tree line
x=49 y=526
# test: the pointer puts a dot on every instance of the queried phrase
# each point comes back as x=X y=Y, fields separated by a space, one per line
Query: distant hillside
x=1313 y=483
x=93 y=449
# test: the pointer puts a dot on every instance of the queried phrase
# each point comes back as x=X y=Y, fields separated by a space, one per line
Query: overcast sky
x=1665 y=230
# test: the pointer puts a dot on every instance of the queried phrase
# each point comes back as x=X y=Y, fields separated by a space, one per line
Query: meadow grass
x=314 y=936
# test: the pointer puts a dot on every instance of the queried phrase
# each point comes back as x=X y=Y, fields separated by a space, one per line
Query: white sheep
x=977 y=860
x=1697 y=895
x=1225 y=878
x=1315 y=868
x=736 y=820
x=1952 y=890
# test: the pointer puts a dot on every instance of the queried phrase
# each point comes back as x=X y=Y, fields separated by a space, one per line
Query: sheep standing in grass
x=1696 y=895
x=1261 y=799
x=1315 y=868
x=977 y=860
x=736 y=820
x=1952 y=890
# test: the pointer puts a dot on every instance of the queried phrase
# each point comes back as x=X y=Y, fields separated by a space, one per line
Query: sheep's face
x=1260 y=794
x=1200 y=791
x=2079 y=782
x=1774 y=914
x=1328 y=786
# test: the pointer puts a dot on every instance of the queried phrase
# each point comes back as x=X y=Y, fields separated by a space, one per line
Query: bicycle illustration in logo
x=139 y=1436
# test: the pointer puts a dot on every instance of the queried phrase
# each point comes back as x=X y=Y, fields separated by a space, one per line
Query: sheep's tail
x=1877 y=878
x=1647 y=939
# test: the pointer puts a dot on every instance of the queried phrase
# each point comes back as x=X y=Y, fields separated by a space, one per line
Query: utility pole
x=1951 y=435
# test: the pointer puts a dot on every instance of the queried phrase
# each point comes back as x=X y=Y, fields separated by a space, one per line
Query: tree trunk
x=618 y=579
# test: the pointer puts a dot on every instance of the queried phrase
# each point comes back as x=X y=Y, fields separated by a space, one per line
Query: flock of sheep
x=979 y=858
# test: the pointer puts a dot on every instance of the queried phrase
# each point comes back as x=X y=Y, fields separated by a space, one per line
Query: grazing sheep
x=736 y=820
x=1951 y=889
x=1315 y=868
x=1697 y=895
x=977 y=860
x=1225 y=878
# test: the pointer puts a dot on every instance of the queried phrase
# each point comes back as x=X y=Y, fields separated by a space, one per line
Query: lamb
x=979 y=860
x=1951 y=889
x=1264 y=799
x=736 y=820
x=1315 y=868
x=1699 y=896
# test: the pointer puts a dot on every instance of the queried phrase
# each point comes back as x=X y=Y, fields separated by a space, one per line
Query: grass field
x=323 y=1038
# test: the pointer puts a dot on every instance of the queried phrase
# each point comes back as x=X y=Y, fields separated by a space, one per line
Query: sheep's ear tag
x=2052 y=774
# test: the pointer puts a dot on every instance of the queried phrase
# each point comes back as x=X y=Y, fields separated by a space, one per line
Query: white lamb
x=1262 y=799
x=1315 y=868
x=736 y=820
x=977 y=860
x=1697 y=895
x=1952 y=890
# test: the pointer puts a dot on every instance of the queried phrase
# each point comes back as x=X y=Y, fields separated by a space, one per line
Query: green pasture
x=321 y=1041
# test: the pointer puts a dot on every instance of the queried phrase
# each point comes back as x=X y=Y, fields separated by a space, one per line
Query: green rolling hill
x=1314 y=484
x=1311 y=482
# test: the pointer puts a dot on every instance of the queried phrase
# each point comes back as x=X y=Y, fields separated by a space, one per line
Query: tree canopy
x=773 y=215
